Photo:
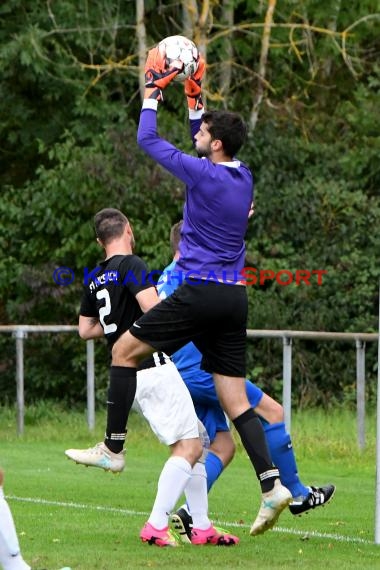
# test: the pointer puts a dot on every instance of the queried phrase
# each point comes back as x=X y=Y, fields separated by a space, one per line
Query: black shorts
x=212 y=315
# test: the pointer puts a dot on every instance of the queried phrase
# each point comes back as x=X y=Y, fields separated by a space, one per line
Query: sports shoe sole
x=107 y=469
x=179 y=528
x=155 y=542
x=270 y=524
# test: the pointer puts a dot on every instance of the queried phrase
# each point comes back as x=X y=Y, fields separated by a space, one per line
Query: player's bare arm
x=90 y=327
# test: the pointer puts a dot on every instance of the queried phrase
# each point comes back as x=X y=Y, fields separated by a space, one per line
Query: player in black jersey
x=117 y=293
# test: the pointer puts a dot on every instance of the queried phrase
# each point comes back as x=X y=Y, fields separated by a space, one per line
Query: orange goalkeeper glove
x=157 y=77
x=193 y=87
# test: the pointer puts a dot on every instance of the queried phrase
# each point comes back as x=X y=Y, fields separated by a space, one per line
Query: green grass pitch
x=84 y=518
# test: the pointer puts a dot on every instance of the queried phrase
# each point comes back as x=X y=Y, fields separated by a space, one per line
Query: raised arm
x=185 y=167
x=193 y=92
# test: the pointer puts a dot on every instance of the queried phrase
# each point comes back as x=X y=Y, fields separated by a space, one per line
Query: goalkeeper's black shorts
x=213 y=315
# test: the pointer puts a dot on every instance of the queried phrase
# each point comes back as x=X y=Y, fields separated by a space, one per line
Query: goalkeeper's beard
x=203 y=152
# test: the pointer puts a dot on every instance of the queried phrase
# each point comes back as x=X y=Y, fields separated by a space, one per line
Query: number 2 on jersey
x=105 y=311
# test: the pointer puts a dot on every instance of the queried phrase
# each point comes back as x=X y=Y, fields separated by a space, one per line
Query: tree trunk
x=263 y=63
x=190 y=17
x=141 y=42
x=196 y=24
x=225 y=79
x=335 y=9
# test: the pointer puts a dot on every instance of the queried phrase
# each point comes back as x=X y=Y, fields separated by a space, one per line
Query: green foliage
x=68 y=120
x=317 y=208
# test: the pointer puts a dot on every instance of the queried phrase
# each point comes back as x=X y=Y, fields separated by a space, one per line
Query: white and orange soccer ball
x=179 y=48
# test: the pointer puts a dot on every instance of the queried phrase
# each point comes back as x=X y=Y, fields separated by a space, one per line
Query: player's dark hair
x=175 y=236
x=109 y=224
x=227 y=127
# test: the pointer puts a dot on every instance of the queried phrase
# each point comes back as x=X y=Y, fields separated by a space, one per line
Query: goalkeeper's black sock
x=121 y=393
x=252 y=436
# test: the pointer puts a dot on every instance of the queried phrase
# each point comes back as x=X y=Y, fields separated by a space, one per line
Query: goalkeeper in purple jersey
x=213 y=314
x=201 y=387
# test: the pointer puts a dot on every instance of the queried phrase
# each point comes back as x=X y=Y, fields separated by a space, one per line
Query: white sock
x=10 y=555
x=196 y=497
x=174 y=476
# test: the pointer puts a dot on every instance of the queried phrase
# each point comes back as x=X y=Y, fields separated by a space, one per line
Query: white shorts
x=164 y=400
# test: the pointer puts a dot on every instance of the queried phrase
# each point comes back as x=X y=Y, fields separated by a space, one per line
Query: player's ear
x=129 y=230
x=99 y=242
x=216 y=145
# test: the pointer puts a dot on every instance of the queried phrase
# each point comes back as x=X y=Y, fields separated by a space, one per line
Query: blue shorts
x=206 y=403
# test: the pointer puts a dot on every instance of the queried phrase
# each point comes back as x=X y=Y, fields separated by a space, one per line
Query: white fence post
x=360 y=392
x=90 y=384
x=19 y=335
x=287 y=381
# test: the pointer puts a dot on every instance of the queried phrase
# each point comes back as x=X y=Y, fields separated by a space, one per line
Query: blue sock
x=281 y=449
x=214 y=467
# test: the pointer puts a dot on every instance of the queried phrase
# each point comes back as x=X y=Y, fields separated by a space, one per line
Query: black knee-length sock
x=121 y=393
x=252 y=436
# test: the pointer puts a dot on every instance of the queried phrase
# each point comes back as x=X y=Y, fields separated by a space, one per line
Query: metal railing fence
x=20 y=333
x=287 y=337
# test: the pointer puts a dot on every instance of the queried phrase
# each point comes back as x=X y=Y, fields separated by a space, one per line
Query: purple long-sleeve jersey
x=215 y=214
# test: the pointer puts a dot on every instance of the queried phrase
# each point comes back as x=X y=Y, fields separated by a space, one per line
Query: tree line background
x=305 y=74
